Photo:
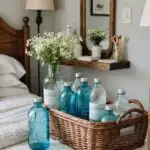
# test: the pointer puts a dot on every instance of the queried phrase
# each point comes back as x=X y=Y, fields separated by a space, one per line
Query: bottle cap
x=66 y=84
x=109 y=107
x=37 y=100
x=84 y=79
x=78 y=75
x=97 y=80
x=121 y=92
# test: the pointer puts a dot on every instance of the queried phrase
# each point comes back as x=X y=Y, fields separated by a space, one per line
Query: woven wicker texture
x=125 y=134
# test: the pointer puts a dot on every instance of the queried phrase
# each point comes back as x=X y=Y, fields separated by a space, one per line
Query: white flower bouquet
x=96 y=36
x=51 y=48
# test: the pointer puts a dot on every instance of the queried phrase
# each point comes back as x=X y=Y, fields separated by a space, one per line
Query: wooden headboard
x=13 y=43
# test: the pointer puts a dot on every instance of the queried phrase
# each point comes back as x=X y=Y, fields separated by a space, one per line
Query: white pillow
x=9 y=65
x=9 y=80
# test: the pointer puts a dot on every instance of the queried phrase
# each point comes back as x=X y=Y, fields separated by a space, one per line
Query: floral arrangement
x=96 y=36
x=51 y=48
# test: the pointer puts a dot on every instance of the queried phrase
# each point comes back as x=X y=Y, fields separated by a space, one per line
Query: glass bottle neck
x=97 y=84
x=78 y=78
x=37 y=104
x=84 y=84
x=67 y=89
x=109 y=112
x=52 y=69
x=120 y=96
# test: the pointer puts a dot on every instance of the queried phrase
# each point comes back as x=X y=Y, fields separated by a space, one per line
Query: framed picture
x=100 y=7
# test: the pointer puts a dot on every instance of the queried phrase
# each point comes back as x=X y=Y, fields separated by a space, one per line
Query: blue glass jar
x=38 y=124
x=109 y=114
x=68 y=100
x=83 y=99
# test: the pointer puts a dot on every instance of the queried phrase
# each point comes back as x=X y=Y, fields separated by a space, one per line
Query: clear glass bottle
x=121 y=104
x=109 y=114
x=59 y=80
x=83 y=99
x=68 y=100
x=77 y=82
x=38 y=124
x=51 y=91
x=97 y=101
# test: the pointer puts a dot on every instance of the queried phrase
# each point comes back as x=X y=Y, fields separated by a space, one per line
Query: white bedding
x=14 y=102
x=13 y=134
x=14 y=118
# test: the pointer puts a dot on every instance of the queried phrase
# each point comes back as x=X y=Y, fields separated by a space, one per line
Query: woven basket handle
x=134 y=101
x=129 y=112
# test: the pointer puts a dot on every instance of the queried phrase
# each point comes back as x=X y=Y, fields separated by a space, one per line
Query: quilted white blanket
x=14 y=118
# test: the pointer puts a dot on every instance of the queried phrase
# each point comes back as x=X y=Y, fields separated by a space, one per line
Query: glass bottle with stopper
x=109 y=114
x=77 y=82
x=122 y=104
x=97 y=101
x=68 y=100
x=83 y=99
x=51 y=91
x=38 y=124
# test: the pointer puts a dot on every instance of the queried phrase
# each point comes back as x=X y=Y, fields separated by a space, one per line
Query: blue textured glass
x=109 y=116
x=38 y=136
x=68 y=101
x=83 y=99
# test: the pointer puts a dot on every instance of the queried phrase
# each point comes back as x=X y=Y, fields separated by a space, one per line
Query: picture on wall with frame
x=100 y=7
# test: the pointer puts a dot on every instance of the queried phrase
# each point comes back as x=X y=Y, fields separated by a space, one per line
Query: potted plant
x=96 y=36
x=50 y=49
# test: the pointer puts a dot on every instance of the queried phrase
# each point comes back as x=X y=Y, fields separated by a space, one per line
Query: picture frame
x=100 y=7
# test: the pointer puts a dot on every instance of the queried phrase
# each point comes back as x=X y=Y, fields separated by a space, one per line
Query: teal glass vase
x=109 y=114
x=38 y=124
x=83 y=99
x=68 y=100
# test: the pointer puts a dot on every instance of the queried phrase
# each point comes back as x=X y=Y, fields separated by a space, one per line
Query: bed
x=13 y=43
x=15 y=97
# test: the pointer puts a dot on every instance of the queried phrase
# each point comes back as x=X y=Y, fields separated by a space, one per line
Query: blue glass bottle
x=68 y=100
x=109 y=114
x=83 y=99
x=38 y=124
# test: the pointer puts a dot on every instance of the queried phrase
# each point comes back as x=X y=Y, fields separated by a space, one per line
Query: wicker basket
x=84 y=135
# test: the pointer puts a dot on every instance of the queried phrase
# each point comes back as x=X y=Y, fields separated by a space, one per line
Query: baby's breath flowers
x=51 y=48
x=96 y=36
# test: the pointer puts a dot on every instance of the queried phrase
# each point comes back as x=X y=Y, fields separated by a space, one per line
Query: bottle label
x=51 y=98
x=96 y=113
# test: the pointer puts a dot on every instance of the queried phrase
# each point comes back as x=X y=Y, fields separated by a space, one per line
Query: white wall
x=136 y=80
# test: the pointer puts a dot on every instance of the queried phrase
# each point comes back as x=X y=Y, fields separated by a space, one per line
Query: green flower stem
x=52 y=69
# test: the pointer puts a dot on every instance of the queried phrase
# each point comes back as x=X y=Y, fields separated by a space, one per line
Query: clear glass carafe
x=51 y=91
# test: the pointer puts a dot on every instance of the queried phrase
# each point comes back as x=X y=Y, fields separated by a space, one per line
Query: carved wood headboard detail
x=13 y=43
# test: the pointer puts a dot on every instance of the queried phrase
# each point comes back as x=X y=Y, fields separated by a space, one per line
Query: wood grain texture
x=13 y=43
x=97 y=65
x=112 y=27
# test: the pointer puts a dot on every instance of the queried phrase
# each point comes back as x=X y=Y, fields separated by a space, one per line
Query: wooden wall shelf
x=97 y=65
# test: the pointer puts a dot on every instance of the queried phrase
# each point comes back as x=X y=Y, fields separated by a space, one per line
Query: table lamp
x=39 y=5
x=145 y=19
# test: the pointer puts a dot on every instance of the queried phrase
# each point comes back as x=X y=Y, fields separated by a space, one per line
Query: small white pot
x=96 y=52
